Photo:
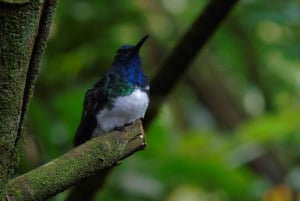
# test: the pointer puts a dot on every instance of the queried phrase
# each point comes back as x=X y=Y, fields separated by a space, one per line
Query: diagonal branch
x=185 y=51
x=83 y=161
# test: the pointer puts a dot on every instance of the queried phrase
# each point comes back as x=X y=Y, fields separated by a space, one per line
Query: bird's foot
x=128 y=124
x=120 y=128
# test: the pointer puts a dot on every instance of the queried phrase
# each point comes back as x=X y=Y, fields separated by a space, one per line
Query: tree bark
x=88 y=159
x=23 y=33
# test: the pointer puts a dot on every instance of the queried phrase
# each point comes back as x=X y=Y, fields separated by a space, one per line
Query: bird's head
x=128 y=55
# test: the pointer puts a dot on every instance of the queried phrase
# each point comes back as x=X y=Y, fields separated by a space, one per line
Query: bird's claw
x=119 y=128
x=122 y=128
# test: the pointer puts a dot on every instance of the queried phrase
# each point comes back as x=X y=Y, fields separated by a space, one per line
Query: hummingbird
x=118 y=99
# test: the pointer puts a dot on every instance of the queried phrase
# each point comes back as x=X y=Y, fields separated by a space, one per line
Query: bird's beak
x=140 y=43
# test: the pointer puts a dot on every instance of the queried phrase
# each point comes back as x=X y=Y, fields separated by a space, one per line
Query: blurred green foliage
x=191 y=155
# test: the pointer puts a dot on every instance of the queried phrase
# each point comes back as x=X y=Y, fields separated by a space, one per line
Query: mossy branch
x=77 y=164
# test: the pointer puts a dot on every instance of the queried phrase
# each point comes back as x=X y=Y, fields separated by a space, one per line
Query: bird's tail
x=85 y=130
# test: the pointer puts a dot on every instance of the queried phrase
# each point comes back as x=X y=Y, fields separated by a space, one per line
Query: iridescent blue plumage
x=119 y=98
x=128 y=64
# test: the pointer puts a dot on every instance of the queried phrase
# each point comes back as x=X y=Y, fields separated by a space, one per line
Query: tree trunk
x=24 y=28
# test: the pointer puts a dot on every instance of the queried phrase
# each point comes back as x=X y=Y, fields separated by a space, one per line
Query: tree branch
x=185 y=51
x=39 y=46
x=88 y=159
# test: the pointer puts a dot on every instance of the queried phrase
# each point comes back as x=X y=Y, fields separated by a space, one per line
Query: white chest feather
x=126 y=110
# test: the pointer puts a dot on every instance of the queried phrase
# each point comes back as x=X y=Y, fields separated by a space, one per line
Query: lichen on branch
x=79 y=163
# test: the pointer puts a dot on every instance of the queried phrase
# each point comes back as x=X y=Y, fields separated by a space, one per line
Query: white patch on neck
x=126 y=109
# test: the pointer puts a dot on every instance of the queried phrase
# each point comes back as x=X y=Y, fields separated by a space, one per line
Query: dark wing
x=94 y=100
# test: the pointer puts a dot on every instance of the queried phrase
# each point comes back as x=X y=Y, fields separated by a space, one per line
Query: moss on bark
x=23 y=32
x=83 y=161
x=18 y=28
